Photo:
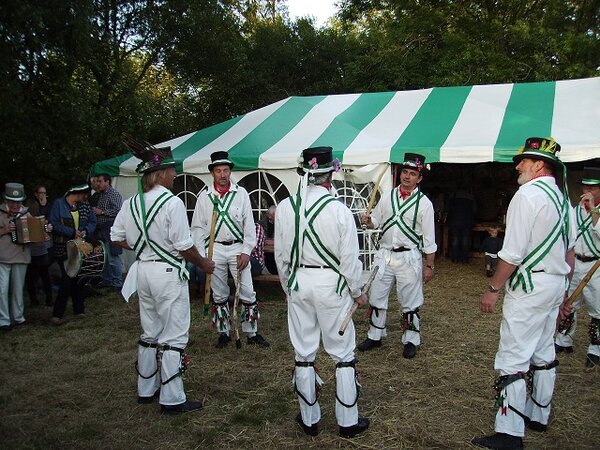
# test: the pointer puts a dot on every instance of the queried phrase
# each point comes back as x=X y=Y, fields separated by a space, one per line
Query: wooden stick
x=236 y=301
x=211 y=244
x=355 y=306
x=374 y=194
x=582 y=284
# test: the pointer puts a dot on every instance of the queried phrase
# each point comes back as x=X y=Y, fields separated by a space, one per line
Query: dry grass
x=74 y=386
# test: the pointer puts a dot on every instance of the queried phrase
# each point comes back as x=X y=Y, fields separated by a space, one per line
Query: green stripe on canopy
x=246 y=152
x=109 y=166
x=528 y=113
x=345 y=127
x=431 y=126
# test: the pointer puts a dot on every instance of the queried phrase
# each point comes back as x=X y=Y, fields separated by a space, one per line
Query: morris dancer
x=235 y=234
x=316 y=251
x=406 y=218
x=154 y=224
x=587 y=252
x=533 y=266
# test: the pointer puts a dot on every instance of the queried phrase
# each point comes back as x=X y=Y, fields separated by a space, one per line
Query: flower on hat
x=313 y=163
x=337 y=165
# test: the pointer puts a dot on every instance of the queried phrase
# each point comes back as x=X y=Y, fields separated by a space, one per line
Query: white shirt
x=424 y=226
x=336 y=228
x=530 y=218
x=240 y=213
x=169 y=229
x=581 y=247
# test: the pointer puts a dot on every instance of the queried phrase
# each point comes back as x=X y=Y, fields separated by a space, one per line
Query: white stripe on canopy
x=475 y=132
x=374 y=142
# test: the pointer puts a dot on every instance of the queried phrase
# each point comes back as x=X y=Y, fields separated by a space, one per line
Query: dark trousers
x=460 y=243
x=38 y=268
x=69 y=287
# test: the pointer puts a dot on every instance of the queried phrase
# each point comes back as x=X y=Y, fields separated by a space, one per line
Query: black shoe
x=187 y=406
x=592 y=360
x=258 y=340
x=410 y=350
x=535 y=426
x=499 y=441
x=223 y=341
x=368 y=344
x=560 y=349
x=489 y=273
x=5 y=328
x=313 y=430
x=18 y=324
x=362 y=425
x=145 y=400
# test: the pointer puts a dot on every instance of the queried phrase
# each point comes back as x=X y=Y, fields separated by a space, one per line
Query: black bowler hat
x=317 y=160
x=219 y=159
x=153 y=158
x=416 y=162
x=591 y=176
x=542 y=149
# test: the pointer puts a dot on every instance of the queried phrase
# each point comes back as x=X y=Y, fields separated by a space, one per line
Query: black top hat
x=591 y=176
x=543 y=149
x=153 y=158
x=416 y=162
x=219 y=159
x=317 y=160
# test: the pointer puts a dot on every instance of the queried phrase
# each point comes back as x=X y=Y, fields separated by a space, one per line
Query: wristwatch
x=492 y=289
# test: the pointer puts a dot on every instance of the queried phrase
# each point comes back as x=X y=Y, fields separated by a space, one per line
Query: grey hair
x=322 y=178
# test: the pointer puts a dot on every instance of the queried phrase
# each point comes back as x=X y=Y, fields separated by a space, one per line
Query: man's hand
x=97 y=211
x=365 y=220
x=243 y=261
x=206 y=265
x=427 y=274
x=362 y=299
x=487 y=302
x=565 y=309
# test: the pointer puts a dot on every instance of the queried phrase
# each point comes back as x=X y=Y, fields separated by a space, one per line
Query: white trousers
x=526 y=338
x=406 y=269
x=165 y=319
x=591 y=296
x=225 y=258
x=315 y=310
x=12 y=279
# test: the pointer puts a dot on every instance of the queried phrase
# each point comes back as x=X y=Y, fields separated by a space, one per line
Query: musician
x=154 y=224
x=71 y=217
x=406 y=219
x=321 y=273
x=587 y=253
x=235 y=235
x=14 y=258
x=534 y=265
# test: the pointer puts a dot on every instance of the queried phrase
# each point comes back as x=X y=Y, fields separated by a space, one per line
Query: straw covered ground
x=74 y=386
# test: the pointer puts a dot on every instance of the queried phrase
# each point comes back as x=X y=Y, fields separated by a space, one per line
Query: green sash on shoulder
x=222 y=207
x=584 y=229
x=398 y=213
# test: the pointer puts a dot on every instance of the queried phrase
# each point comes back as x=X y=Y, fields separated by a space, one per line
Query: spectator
x=40 y=257
x=257 y=257
x=14 y=258
x=268 y=225
x=107 y=207
x=491 y=245
x=461 y=208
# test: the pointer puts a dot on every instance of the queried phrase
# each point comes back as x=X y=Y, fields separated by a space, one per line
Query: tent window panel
x=187 y=187
x=264 y=190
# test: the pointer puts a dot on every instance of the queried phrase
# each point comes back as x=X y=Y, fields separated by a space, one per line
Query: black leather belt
x=308 y=266
x=585 y=258
x=400 y=249
x=537 y=271
x=229 y=242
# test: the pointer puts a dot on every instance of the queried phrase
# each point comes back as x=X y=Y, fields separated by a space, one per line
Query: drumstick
x=238 y=343
x=583 y=284
x=355 y=306
x=211 y=244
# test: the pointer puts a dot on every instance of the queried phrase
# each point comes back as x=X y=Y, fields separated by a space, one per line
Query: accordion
x=30 y=229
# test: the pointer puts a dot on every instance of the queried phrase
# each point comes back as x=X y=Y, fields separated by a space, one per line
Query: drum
x=85 y=259
x=30 y=229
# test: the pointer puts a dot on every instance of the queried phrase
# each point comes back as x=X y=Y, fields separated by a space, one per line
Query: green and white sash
x=522 y=275
x=584 y=230
x=397 y=218
x=328 y=258
x=143 y=220
x=222 y=207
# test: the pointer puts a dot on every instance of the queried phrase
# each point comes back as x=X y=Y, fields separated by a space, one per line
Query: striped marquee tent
x=463 y=124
